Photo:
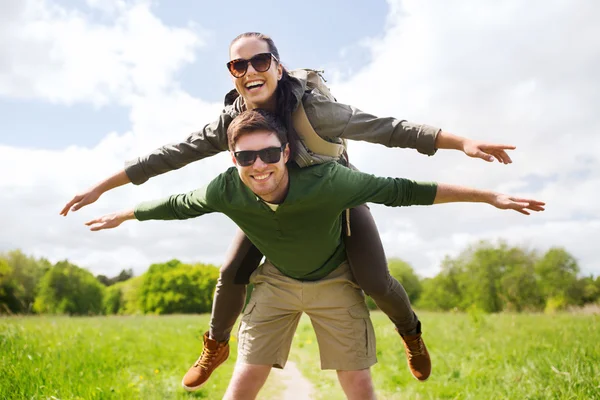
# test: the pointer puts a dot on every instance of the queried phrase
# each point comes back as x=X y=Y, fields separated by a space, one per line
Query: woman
x=261 y=81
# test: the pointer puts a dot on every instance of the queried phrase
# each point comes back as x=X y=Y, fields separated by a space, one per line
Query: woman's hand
x=94 y=193
x=487 y=151
x=81 y=200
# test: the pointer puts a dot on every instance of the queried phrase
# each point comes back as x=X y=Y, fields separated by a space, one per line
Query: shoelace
x=206 y=358
x=415 y=347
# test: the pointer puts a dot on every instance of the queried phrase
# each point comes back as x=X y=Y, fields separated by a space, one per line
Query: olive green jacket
x=331 y=120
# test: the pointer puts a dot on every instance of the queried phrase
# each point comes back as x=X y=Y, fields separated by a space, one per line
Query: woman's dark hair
x=286 y=102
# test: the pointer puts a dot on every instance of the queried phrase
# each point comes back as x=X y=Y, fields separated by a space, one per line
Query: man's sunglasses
x=270 y=155
x=260 y=62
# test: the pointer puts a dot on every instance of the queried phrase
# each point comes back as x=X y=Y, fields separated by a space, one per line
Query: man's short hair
x=255 y=120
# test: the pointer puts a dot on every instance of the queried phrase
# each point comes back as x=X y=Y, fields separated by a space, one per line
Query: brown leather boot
x=419 y=362
x=213 y=355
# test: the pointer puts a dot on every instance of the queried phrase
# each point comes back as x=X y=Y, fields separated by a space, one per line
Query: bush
x=113 y=300
x=68 y=289
x=174 y=287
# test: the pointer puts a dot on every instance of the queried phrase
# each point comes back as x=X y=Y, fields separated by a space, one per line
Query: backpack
x=315 y=83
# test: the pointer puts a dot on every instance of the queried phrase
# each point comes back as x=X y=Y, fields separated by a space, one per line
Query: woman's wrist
x=446 y=140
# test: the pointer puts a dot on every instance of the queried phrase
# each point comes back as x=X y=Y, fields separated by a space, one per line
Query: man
x=292 y=215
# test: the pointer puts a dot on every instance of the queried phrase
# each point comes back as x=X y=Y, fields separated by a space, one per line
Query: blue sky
x=307 y=36
x=88 y=84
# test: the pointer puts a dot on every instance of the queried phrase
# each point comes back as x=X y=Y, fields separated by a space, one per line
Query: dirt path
x=297 y=387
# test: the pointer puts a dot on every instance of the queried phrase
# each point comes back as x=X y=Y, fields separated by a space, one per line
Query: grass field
x=474 y=357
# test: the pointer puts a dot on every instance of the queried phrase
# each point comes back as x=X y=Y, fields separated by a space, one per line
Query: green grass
x=474 y=357
x=503 y=356
x=142 y=357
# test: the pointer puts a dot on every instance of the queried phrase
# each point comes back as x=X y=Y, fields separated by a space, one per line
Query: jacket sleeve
x=332 y=119
x=212 y=139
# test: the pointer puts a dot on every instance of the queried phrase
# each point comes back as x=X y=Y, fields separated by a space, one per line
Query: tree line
x=485 y=277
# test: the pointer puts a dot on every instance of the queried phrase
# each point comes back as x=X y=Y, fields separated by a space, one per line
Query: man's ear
x=286 y=153
x=233 y=158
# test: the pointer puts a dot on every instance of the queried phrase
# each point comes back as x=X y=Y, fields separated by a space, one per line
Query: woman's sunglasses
x=270 y=155
x=260 y=62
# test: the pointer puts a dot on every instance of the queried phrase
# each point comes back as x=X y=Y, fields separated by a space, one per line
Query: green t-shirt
x=303 y=237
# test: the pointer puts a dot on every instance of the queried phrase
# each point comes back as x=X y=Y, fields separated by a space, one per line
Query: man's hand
x=487 y=151
x=81 y=200
x=505 y=202
x=110 y=221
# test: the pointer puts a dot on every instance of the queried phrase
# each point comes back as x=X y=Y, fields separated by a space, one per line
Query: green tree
x=26 y=275
x=10 y=290
x=519 y=286
x=487 y=277
x=123 y=276
x=68 y=289
x=446 y=290
x=174 y=287
x=131 y=295
x=113 y=302
x=557 y=275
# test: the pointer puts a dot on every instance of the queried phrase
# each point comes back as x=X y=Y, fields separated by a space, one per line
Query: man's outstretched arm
x=352 y=188
x=179 y=206
x=454 y=194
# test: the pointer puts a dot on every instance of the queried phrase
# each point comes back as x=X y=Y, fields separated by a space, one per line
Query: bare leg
x=357 y=385
x=246 y=382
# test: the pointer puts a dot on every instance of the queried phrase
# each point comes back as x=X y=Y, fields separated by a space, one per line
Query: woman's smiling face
x=257 y=88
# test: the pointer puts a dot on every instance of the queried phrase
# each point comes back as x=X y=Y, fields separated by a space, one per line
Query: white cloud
x=516 y=72
x=522 y=73
x=65 y=56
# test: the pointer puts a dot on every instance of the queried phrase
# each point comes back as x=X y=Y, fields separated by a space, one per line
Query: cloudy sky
x=86 y=85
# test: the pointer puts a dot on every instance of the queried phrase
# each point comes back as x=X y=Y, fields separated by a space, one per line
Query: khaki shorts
x=337 y=310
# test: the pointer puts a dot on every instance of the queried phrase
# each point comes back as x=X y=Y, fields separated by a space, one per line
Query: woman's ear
x=279 y=71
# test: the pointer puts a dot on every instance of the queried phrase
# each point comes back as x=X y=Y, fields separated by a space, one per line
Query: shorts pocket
x=248 y=309
x=242 y=333
x=365 y=335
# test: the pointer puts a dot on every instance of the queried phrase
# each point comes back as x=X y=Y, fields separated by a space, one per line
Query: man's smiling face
x=268 y=181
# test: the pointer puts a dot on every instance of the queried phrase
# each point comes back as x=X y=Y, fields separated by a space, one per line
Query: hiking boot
x=213 y=355
x=419 y=362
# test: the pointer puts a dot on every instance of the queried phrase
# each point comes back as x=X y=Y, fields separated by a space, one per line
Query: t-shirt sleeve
x=181 y=206
x=354 y=188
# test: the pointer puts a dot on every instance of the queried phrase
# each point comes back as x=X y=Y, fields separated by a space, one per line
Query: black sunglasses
x=260 y=62
x=270 y=155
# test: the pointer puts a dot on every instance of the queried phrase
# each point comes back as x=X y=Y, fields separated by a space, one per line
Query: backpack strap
x=311 y=139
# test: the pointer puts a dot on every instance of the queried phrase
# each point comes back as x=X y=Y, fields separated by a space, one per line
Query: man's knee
x=357 y=384
x=246 y=382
